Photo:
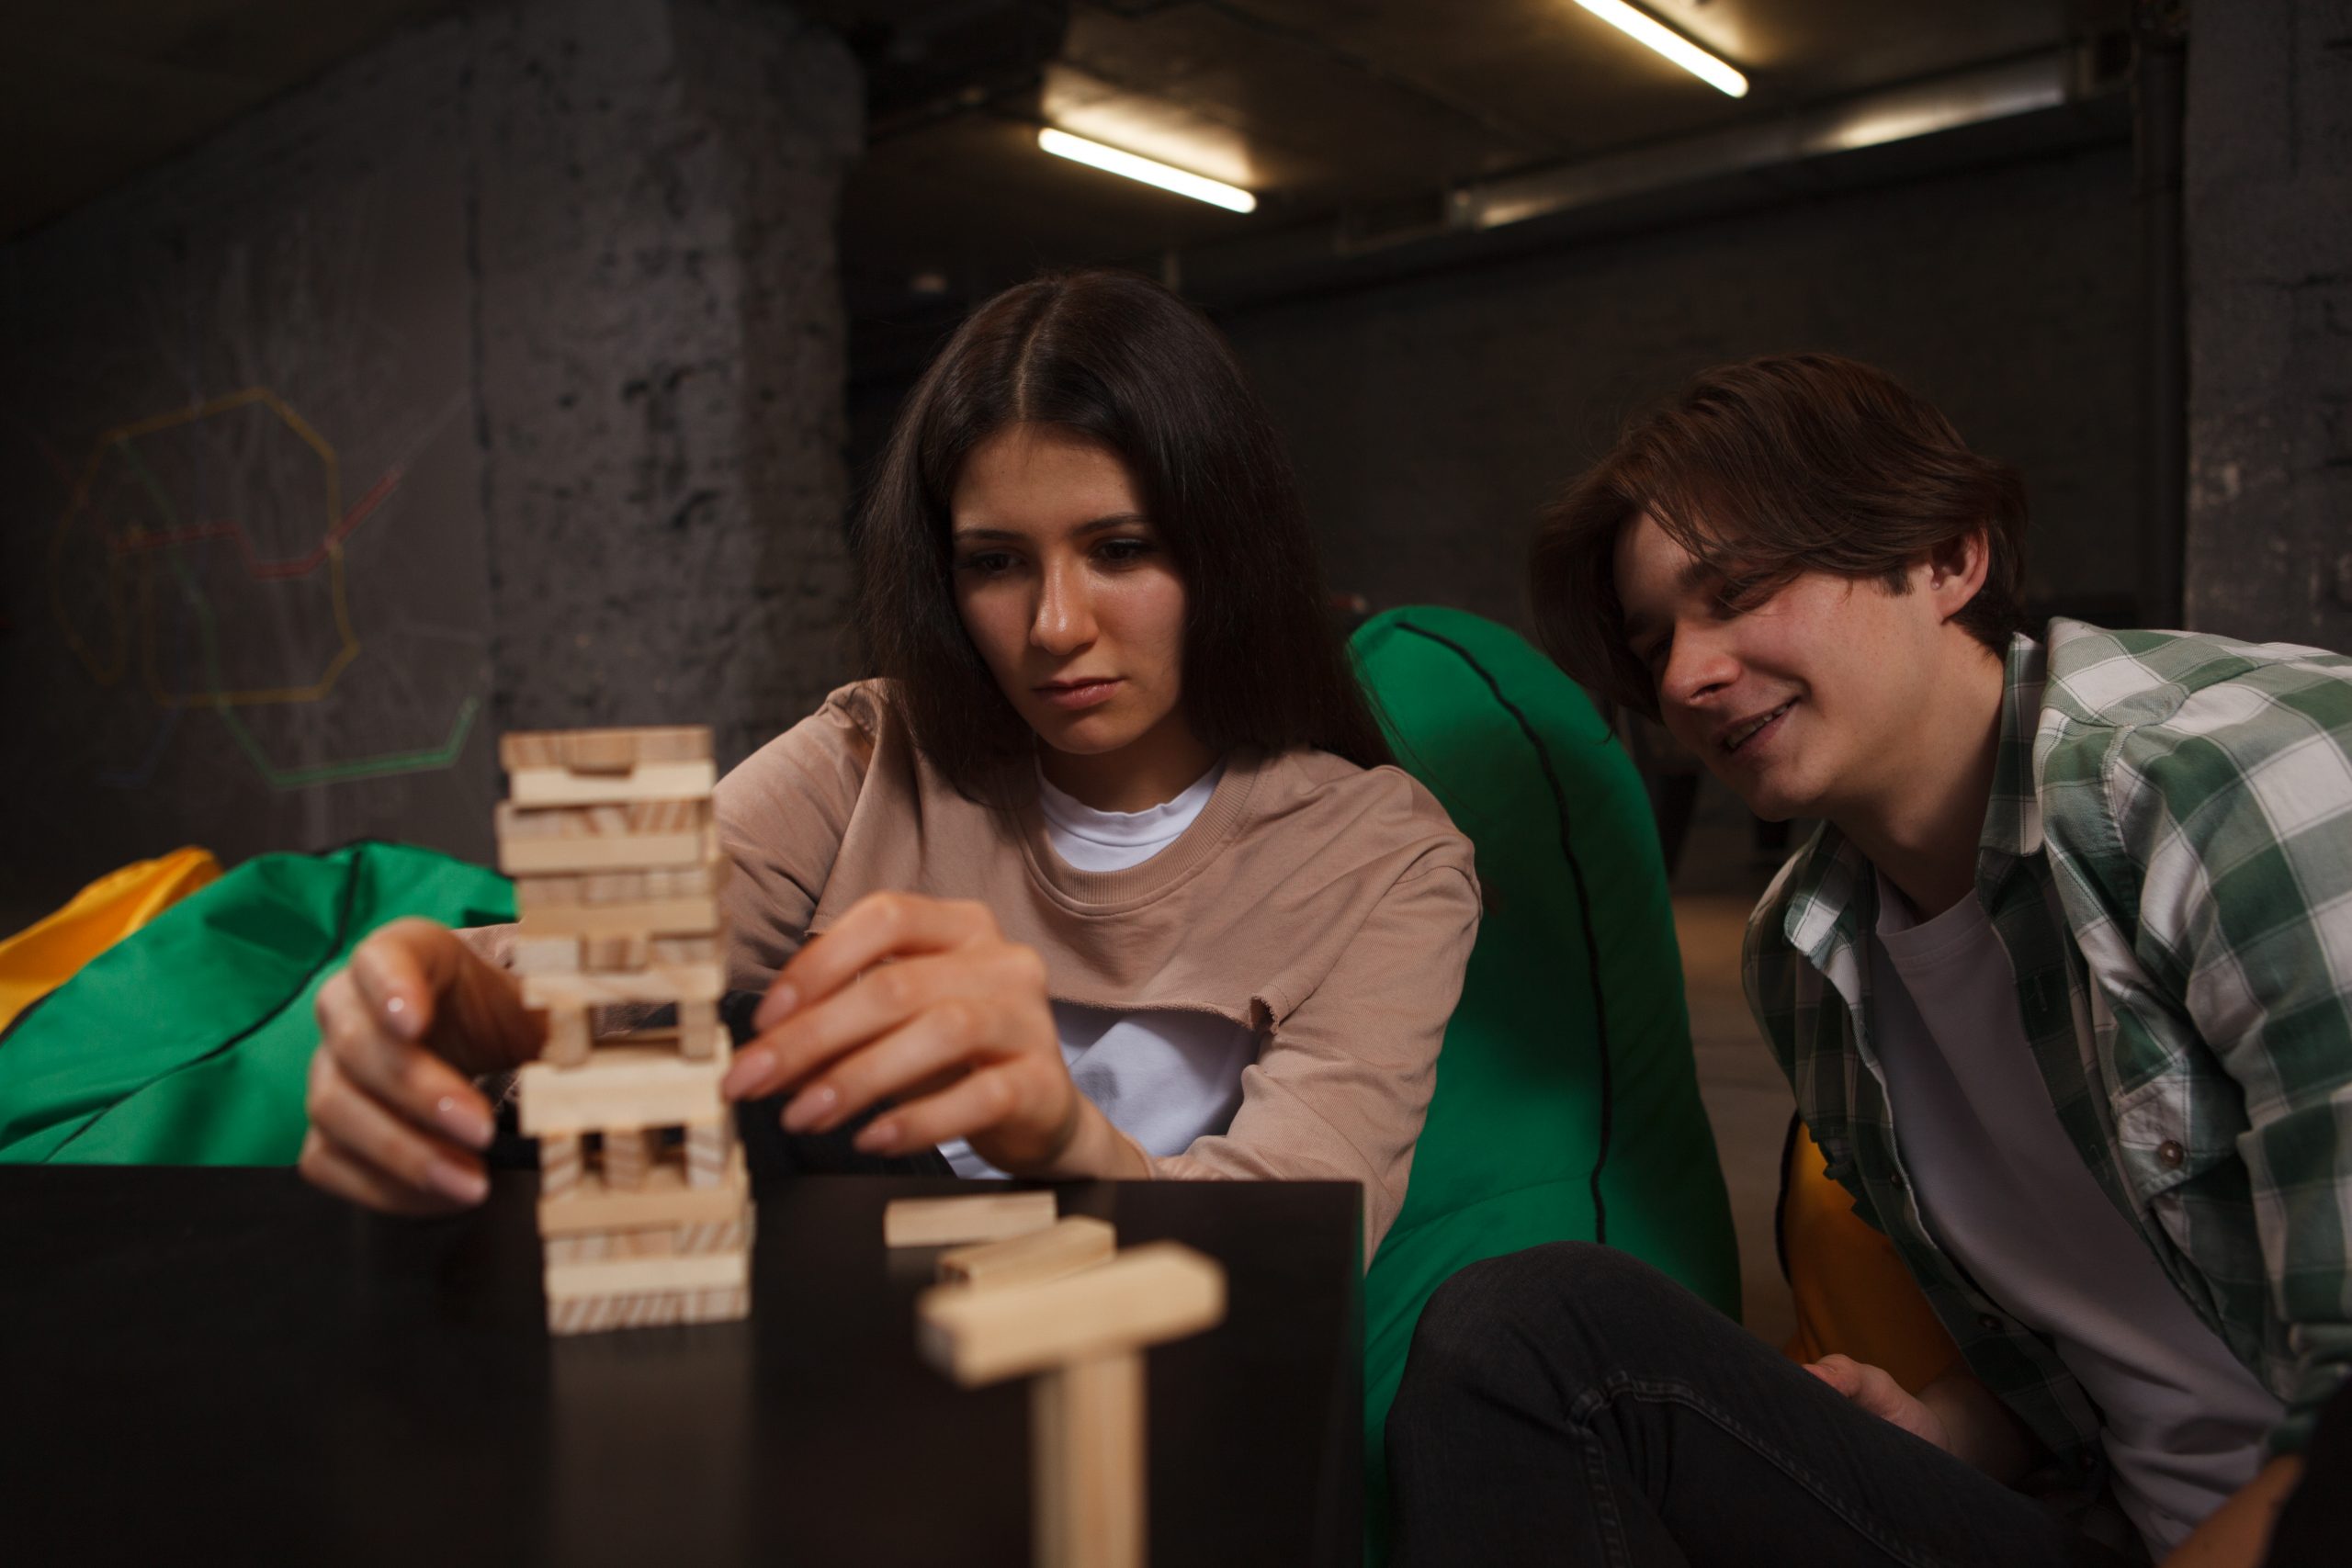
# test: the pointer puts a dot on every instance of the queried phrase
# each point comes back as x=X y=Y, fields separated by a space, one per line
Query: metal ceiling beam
x=1998 y=109
x=1897 y=114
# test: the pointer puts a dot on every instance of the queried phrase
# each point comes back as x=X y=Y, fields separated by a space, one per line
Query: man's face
x=1808 y=701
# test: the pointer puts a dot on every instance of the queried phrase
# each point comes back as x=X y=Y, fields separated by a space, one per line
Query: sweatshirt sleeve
x=1340 y=1089
x=782 y=816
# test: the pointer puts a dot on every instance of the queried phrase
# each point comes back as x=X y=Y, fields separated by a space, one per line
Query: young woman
x=1113 y=874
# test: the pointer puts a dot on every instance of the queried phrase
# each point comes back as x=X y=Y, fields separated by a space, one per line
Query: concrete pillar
x=2268 y=215
x=492 y=379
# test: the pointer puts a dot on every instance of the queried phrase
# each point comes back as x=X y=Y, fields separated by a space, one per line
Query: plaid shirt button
x=2169 y=1153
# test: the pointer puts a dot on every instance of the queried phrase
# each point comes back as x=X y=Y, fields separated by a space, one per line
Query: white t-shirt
x=2003 y=1189
x=1164 y=1078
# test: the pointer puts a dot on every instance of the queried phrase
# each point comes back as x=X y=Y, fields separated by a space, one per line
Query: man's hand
x=1871 y=1388
x=1956 y=1412
x=924 y=1003
x=396 y=1122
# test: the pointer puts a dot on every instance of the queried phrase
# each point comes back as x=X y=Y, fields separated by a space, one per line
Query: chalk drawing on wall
x=244 y=468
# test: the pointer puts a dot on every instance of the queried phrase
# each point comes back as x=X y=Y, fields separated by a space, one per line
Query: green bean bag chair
x=187 y=1041
x=1567 y=1105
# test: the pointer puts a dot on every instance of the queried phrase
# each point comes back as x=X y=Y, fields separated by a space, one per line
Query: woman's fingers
x=419 y=982
x=355 y=1125
x=974 y=1103
x=345 y=1175
x=936 y=1039
x=398 y=978
x=1020 y=1114
x=879 y=926
x=884 y=999
x=405 y=1076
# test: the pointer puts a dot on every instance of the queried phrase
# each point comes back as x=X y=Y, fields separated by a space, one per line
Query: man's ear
x=1956 y=570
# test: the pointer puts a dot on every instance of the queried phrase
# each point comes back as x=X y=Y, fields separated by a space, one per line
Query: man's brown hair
x=1789 y=464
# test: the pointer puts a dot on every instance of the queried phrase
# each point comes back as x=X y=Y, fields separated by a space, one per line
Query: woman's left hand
x=923 y=1001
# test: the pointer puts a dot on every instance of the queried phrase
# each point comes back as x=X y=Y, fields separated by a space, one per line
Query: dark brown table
x=208 y=1365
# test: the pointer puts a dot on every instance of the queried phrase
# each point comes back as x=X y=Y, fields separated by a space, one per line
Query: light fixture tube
x=1646 y=29
x=1077 y=149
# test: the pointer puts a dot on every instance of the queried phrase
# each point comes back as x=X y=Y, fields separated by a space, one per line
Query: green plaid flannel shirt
x=2167 y=859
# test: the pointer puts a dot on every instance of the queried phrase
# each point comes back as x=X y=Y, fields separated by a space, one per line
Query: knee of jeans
x=1547 y=1301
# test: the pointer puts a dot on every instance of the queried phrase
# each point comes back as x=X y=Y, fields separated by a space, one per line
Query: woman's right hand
x=396 y=1122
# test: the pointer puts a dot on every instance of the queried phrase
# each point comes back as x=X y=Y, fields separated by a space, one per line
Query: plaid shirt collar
x=1831 y=890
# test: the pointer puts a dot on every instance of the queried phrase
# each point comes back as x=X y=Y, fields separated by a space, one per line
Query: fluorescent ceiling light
x=1200 y=187
x=1673 y=45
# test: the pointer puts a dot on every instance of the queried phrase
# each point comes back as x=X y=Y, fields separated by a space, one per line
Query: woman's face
x=1067 y=589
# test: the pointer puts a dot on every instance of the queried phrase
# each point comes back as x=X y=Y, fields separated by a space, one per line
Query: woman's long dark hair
x=1115 y=357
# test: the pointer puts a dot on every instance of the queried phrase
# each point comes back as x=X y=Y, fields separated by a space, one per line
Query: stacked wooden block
x=643 y=1202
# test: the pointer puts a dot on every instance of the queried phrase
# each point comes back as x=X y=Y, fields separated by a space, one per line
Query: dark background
x=379 y=376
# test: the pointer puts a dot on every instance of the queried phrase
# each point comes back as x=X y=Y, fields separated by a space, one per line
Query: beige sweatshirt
x=1327 y=907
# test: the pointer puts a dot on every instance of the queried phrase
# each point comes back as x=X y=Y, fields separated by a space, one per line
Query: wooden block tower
x=643 y=1201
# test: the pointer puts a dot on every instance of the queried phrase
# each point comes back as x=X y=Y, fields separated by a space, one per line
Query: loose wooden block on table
x=1065 y=1247
x=664 y=1199
x=1087 y=1477
x=949 y=1222
x=1142 y=1297
x=644 y=1086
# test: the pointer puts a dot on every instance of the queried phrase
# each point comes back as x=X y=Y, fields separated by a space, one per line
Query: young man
x=2064 y=986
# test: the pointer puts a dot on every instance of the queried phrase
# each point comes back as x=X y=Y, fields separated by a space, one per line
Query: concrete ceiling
x=1362 y=111
x=1355 y=112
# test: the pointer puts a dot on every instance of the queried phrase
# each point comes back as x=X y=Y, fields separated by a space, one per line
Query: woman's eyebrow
x=1013 y=536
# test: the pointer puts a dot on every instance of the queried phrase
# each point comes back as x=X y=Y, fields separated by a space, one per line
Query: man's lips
x=1733 y=737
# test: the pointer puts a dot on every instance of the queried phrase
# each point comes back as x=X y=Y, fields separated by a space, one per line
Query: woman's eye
x=987 y=563
x=1122 y=552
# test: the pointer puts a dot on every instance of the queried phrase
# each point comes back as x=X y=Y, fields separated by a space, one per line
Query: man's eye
x=1740 y=594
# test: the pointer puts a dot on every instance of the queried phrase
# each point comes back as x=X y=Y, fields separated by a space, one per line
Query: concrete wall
x=1430 y=419
x=2267 y=207
x=491 y=380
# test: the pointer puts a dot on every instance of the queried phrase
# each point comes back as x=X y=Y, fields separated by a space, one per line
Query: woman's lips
x=1079 y=694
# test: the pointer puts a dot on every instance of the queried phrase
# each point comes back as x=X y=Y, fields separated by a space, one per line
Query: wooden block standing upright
x=1082 y=1336
x=609 y=835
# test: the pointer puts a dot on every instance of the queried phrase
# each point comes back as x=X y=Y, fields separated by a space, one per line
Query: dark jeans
x=1570 y=1403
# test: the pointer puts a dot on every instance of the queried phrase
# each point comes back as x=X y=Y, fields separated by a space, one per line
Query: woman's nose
x=1065 y=619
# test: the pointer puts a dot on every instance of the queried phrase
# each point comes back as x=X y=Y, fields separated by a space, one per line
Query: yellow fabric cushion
x=1853 y=1295
x=46 y=954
